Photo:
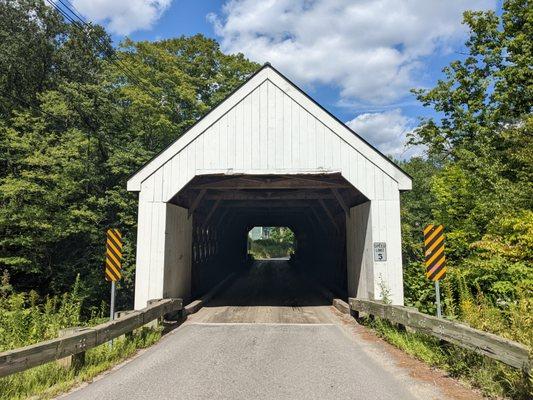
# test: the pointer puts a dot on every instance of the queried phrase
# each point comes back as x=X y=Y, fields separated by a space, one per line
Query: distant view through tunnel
x=271 y=242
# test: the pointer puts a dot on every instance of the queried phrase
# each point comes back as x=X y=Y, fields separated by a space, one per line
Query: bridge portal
x=268 y=155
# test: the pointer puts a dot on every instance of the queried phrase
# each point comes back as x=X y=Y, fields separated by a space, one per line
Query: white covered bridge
x=268 y=155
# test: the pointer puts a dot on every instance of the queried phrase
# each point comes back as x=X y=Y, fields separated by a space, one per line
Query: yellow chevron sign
x=113 y=256
x=434 y=247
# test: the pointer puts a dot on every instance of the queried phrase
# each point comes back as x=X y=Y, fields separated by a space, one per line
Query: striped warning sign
x=113 y=255
x=434 y=246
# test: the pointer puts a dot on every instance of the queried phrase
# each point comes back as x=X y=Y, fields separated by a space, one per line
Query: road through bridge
x=270 y=334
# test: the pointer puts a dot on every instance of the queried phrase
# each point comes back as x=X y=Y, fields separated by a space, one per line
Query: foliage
x=77 y=118
x=281 y=242
x=282 y=235
x=492 y=378
x=26 y=319
x=270 y=248
x=476 y=180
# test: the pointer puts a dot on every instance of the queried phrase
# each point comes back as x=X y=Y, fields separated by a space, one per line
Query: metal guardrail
x=82 y=339
x=507 y=351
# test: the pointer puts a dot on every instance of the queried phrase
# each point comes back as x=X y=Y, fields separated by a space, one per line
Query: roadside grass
x=52 y=379
x=26 y=318
x=492 y=378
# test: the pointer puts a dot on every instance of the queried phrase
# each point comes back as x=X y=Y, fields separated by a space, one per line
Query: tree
x=76 y=119
x=482 y=147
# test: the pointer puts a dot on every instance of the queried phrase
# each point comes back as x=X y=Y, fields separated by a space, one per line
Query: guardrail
x=508 y=352
x=82 y=339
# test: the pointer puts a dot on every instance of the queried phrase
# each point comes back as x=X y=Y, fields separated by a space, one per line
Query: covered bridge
x=268 y=155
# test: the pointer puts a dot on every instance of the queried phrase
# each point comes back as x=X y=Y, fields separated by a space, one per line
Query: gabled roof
x=268 y=72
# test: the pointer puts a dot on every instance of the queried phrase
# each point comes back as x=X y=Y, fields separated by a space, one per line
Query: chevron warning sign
x=434 y=251
x=113 y=256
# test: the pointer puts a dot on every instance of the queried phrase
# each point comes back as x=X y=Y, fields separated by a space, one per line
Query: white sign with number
x=380 y=251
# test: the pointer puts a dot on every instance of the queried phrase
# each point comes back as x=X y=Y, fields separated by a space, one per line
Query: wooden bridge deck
x=272 y=291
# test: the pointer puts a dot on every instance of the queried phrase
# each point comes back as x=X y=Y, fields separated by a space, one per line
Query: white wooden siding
x=265 y=131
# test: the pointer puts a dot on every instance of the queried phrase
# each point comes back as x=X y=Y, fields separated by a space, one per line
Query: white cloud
x=370 y=49
x=387 y=131
x=123 y=16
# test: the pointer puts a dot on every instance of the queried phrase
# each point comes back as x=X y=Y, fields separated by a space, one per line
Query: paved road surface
x=268 y=336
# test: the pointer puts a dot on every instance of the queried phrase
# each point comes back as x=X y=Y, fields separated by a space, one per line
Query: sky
x=357 y=58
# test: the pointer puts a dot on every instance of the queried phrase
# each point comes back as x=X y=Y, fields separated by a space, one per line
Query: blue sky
x=358 y=58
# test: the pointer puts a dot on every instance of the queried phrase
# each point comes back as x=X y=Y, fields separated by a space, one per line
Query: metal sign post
x=112 y=305
x=437 y=296
x=435 y=259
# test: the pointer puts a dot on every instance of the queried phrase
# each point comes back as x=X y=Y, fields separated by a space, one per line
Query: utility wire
x=101 y=46
x=86 y=28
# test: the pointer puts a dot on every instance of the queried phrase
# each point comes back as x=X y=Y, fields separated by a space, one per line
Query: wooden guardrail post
x=120 y=314
x=76 y=360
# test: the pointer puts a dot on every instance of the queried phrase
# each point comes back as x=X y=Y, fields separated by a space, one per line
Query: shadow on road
x=272 y=282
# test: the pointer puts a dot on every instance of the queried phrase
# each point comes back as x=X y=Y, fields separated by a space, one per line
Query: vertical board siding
x=247 y=140
x=255 y=122
x=287 y=137
x=268 y=130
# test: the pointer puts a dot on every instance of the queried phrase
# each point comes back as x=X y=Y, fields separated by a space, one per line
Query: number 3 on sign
x=380 y=251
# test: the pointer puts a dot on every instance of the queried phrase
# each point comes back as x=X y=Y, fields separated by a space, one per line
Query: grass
x=492 y=378
x=49 y=380
x=26 y=319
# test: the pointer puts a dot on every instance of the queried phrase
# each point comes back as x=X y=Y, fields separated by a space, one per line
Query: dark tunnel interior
x=225 y=207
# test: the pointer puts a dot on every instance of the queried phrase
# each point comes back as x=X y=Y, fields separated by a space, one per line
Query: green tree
x=76 y=119
x=482 y=143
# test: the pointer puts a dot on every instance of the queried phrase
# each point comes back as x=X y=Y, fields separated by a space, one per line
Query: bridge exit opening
x=271 y=242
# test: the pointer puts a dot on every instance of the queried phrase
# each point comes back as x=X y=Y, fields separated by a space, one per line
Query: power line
x=85 y=28
x=98 y=43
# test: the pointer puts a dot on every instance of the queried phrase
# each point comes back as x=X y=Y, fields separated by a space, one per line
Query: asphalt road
x=219 y=354
x=250 y=361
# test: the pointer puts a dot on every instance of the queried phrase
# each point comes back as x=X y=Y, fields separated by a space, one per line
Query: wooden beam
x=319 y=221
x=329 y=214
x=210 y=214
x=238 y=183
x=264 y=204
x=196 y=201
x=222 y=216
x=341 y=201
x=311 y=179
x=266 y=196
x=311 y=220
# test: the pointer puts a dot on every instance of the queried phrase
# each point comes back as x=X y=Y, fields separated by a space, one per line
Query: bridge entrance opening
x=311 y=208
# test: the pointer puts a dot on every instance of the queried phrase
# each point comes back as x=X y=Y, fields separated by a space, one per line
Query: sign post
x=112 y=304
x=113 y=264
x=435 y=258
